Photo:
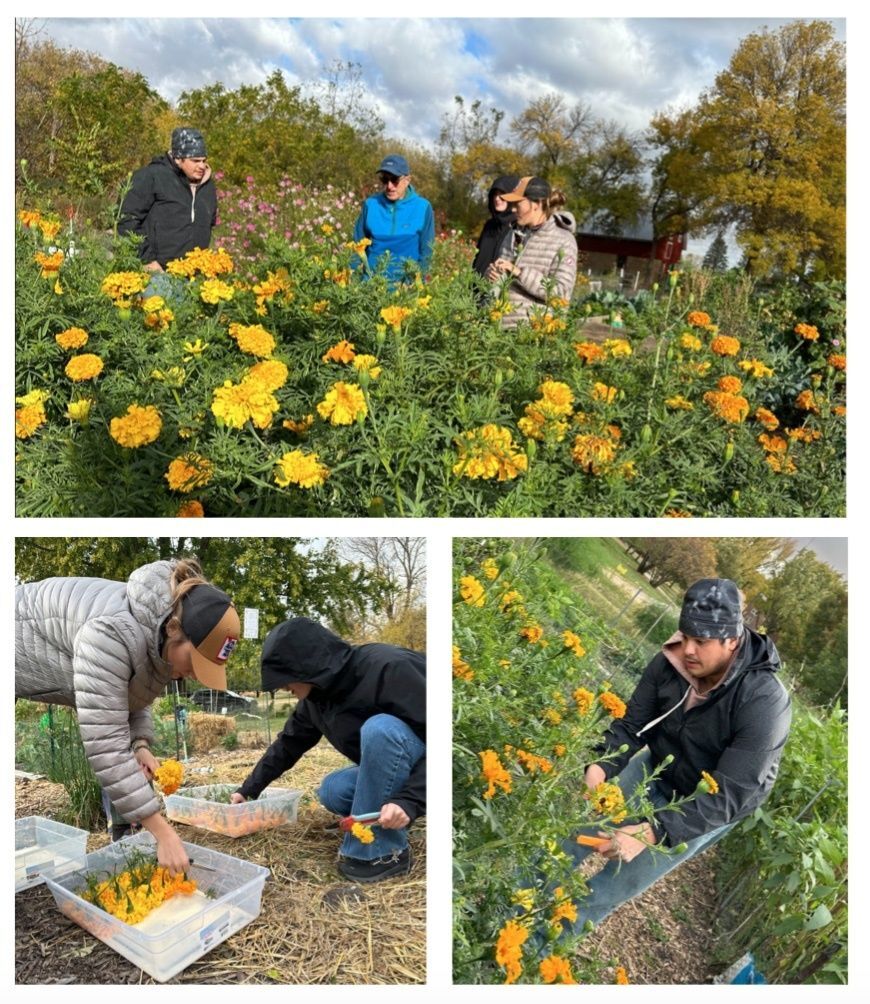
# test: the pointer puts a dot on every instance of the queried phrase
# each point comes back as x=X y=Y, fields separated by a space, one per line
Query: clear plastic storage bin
x=45 y=849
x=184 y=928
x=197 y=807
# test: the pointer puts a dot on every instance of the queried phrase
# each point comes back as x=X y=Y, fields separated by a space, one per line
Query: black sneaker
x=358 y=870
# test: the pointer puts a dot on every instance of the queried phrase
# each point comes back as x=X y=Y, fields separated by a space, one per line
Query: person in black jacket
x=369 y=701
x=710 y=702
x=172 y=202
x=496 y=228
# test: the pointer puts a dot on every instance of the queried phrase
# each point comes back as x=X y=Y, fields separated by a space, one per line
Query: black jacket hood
x=302 y=651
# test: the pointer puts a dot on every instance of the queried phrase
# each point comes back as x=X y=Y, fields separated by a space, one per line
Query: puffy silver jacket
x=547 y=264
x=93 y=644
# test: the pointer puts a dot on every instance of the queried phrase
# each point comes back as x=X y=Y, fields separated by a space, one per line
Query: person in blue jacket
x=398 y=222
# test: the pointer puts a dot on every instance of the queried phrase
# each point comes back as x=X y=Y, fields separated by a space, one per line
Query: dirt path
x=314 y=927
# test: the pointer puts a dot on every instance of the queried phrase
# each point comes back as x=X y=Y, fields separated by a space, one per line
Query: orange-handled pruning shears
x=346 y=824
x=596 y=842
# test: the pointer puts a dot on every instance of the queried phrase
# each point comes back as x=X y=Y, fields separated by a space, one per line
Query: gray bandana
x=711 y=609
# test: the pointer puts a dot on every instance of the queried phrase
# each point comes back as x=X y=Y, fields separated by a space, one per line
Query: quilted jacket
x=93 y=644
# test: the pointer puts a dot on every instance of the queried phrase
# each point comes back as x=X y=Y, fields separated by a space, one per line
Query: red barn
x=634 y=253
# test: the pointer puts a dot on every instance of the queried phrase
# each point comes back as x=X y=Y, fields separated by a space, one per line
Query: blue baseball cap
x=395 y=164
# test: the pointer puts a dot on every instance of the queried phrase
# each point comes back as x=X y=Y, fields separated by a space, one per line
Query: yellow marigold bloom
x=169 y=776
x=72 y=338
x=489 y=568
x=153 y=304
x=342 y=352
x=590 y=352
x=690 y=342
x=755 y=368
x=608 y=800
x=492 y=770
x=344 y=404
x=173 y=377
x=593 y=453
x=320 y=307
x=724 y=345
x=564 y=910
x=708 y=783
x=358 y=247
x=191 y=509
x=84 y=367
x=534 y=763
x=547 y=324
x=839 y=410
x=254 y=339
x=509 y=950
x=270 y=287
x=31 y=416
x=584 y=699
x=188 y=472
x=806 y=401
x=301 y=426
x=80 y=411
x=159 y=321
x=132 y=895
x=767 y=419
x=837 y=361
x=362 y=833
x=533 y=633
x=809 y=332
x=394 y=316
x=215 y=290
x=195 y=348
x=270 y=373
x=327 y=228
x=560 y=749
x=30 y=217
x=729 y=407
x=510 y=598
x=556 y=398
x=489 y=452
x=552 y=716
x=622 y=977
x=780 y=464
x=138 y=427
x=556 y=970
x=803 y=434
x=471 y=590
x=612 y=704
x=302 y=469
x=424 y=301
x=773 y=444
x=235 y=404
x=123 y=286
x=601 y=392
x=50 y=229
x=461 y=669
x=49 y=263
x=207 y=263
x=617 y=347
x=524 y=898
x=730 y=384
x=679 y=403
x=367 y=364
x=698 y=319
x=572 y=642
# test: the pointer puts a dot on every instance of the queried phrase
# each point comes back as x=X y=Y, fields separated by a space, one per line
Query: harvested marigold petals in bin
x=159 y=922
x=209 y=807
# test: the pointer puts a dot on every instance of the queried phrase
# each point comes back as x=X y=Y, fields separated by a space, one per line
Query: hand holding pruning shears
x=391 y=817
x=623 y=844
x=146 y=760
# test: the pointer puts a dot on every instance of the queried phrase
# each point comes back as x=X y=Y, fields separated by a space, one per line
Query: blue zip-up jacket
x=405 y=228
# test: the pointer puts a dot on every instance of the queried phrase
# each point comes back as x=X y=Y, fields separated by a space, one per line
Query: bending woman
x=538 y=259
x=108 y=649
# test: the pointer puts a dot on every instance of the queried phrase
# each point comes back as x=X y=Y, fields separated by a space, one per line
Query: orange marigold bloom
x=493 y=772
x=803 y=434
x=533 y=633
x=780 y=465
x=189 y=472
x=72 y=338
x=730 y=384
x=394 y=316
x=709 y=783
x=461 y=669
x=601 y=392
x=612 y=704
x=622 y=976
x=767 y=419
x=84 y=367
x=809 y=332
x=49 y=263
x=564 y=910
x=593 y=453
x=584 y=699
x=678 y=514
x=589 y=352
x=534 y=763
x=556 y=970
x=725 y=345
x=572 y=641
x=837 y=361
x=806 y=401
x=607 y=800
x=698 y=319
x=471 y=590
x=728 y=407
x=139 y=426
x=773 y=444
x=344 y=404
x=839 y=410
x=342 y=352
x=489 y=452
x=509 y=950
x=192 y=509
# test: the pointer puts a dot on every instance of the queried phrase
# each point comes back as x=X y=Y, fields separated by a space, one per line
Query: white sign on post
x=251 y=623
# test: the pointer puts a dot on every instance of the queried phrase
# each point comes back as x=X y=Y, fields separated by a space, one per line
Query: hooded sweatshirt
x=350 y=684
x=403 y=227
x=496 y=227
x=736 y=733
x=171 y=213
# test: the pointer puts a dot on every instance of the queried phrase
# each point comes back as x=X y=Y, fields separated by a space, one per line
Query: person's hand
x=153 y=266
x=627 y=842
x=146 y=760
x=171 y=853
x=594 y=776
x=393 y=817
x=237 y=798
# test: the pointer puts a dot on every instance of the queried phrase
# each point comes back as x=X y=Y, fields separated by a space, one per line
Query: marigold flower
x=188 y=472
x=138 y=427
x=708 y=783
x=806 y=401
x=773 y=444
x=49 y=263
x=608 y=800
x=215 y=291
x=362 y=833
x=839 y=410
x=191 y=509
x=556 y=970
x=584 y=699
x=767 y=419
x=534 y=763
x=533 y=633
x=30 y=217
x=755 y=368
x=84 y=367
x=471 y=590
x=837 y=361
x=803 y=434
x=302 y=469
x=730 y=384
x=601 y=392
x=524 y=898
x=511 y=599
x=367 y=364
x=235 y=404
x=552 y=716
x=344 y=404
x=556 y=398
x=131 y=895
x=565 y=910
x=698 y=319
x=612 y=704
x=320 y=307
x=169 y=776
x=301 y=426
x=509 y=950
x=572 y=641
x=492 y=770
x=622 y=977
x=780 y=464
x=123 y=286
x=590 y=352
x=270 y=287
x=160 y=321
x=358 y=247
x=593 y=453
x=195 y=348
x=461 y=669
x=489 y=569
x=617 y=347
x=729 y=407
x=690 y=342
x=547 y=324
x=270 y=374
x=173 y=377
x=394 y=316
x=725 y=345
x=679 y=403
x=342 y=352
x=808 y=332
x=80 y=411
x=678 y=514
x=204 y=261
x=72 y=338
x=489 y=452
x=31 y=416
x=253 y=339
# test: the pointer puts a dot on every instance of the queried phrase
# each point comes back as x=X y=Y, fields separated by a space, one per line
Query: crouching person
x=369 y=701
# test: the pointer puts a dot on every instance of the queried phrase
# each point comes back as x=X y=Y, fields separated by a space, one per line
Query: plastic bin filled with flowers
x=209 y=807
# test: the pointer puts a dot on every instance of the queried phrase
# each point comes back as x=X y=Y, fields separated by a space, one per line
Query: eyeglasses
x=390 y=179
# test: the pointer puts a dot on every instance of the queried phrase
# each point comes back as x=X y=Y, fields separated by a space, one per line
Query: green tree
x=716 y=258
x=751 y=561
x=682 y=560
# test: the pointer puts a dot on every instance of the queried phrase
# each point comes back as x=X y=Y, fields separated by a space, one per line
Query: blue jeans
x=389 y=750
x=618 y=882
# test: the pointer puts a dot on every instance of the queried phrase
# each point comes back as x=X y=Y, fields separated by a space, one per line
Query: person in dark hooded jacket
x=497 y=227
x=172 y=202
x=369 y=701
x=711 y=702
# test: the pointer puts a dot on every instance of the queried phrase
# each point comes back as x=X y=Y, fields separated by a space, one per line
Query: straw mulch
x=314 y=927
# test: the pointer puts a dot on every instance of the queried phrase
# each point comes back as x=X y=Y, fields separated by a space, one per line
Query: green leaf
x=820 y=918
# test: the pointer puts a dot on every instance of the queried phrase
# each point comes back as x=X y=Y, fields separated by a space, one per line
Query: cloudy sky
x=625 y=69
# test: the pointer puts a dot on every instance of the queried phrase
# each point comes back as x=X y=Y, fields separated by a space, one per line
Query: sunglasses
x=390 y=179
